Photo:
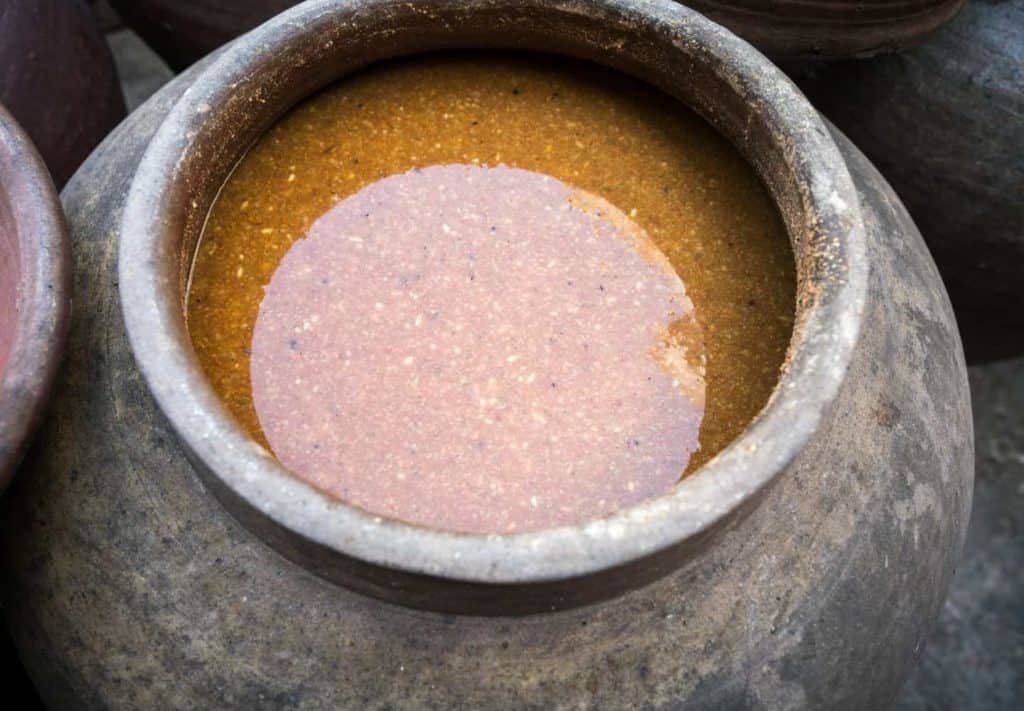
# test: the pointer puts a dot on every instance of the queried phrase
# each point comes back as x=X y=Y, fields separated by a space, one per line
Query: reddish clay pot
x=58 y=79
x=34 y=291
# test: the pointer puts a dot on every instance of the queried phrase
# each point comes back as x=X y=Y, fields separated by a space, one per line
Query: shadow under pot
x=34 y=291
x=802 y=564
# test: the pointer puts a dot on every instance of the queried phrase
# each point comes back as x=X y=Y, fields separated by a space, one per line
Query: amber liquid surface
x=697 y=200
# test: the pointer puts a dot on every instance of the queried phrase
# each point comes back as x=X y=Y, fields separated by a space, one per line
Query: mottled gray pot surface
x=127 y=585
x=944 y=123
x=35 y=253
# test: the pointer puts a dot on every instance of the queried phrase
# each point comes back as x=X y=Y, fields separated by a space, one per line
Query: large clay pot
x=830 y=30
x=34 y=291
x=943 y=124
x=801 y=567
x=58 y=79
x=182 y=31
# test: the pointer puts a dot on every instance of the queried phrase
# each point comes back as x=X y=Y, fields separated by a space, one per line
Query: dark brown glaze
x=58 y=79
x=478 y=349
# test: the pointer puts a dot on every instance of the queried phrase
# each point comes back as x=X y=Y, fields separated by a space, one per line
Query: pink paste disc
x=478 y=349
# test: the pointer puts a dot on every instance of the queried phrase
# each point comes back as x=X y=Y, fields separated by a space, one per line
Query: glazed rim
x=263 y=74
x=30 y=209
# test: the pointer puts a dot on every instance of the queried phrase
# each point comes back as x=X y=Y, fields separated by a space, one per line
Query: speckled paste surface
x=479 y=349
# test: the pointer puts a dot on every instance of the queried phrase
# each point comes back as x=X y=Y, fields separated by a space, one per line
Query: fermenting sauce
x=429 y=421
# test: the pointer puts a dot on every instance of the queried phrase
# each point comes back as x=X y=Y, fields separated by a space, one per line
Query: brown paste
x=400 y=429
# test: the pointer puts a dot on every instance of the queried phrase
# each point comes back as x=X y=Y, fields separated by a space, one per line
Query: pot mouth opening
x=35 y=250
x=243 y=92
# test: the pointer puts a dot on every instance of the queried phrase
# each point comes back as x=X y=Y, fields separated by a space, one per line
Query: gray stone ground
x=975 y=660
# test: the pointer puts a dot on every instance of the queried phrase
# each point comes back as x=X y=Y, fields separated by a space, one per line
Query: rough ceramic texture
x=57 y=77
x=830 y=30
x=943 y=123
x=182 y=31
x=31 y=218
x=128 y=586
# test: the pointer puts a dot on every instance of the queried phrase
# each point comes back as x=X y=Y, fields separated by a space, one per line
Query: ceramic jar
x=157 y=555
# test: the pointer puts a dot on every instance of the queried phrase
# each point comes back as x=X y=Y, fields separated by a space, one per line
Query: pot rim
x=40 y=237
x=245 y=83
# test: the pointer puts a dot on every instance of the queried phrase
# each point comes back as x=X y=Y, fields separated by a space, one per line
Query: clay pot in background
x=944 y=123
x=829 y=30
x=58 y=80
x=182 y=31
x=34 y=291
x=802 y=567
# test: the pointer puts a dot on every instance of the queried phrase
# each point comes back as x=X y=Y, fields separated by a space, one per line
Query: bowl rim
x=40 y=237
x=831 y=257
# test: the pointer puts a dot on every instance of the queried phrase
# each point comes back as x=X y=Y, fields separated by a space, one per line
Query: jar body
x=127 y=585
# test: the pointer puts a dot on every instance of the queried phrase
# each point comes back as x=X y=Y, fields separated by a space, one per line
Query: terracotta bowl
x=34 y=261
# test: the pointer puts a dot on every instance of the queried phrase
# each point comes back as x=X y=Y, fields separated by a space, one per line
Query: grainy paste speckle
x=684 y=194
